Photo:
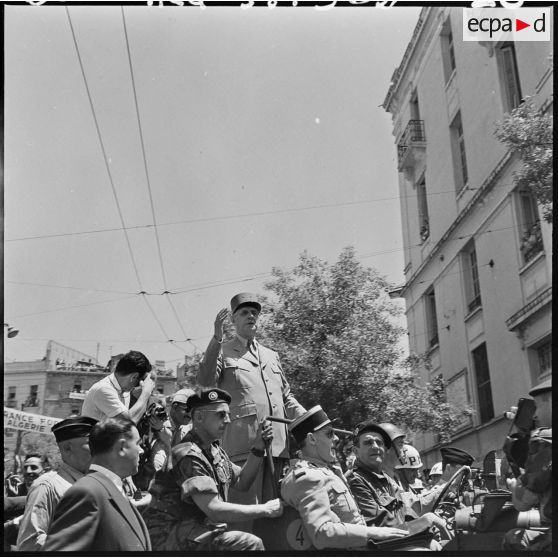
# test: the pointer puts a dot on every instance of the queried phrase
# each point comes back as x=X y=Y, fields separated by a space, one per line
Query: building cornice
x=397 y=75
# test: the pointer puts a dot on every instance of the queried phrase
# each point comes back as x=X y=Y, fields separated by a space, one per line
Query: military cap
x=311 y=421
x=182 y=395
x=73 y=427
x=542 y=387
x=371 y=426
x=393 y=431
x=456 y=456
x=244 y=299
x=207 y=397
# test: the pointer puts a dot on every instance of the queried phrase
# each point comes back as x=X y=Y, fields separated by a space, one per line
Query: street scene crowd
x=235 y=463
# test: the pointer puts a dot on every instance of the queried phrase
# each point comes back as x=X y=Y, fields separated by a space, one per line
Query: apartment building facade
x=478 y=269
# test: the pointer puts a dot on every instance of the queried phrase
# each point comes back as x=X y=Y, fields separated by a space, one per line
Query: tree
x=528 y=132
x=333 y=327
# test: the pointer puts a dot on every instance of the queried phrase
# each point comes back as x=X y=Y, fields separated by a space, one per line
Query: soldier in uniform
x=393 y=452
x=317 y=489
x=253 y=376
x=381 y=500
x=190 y=496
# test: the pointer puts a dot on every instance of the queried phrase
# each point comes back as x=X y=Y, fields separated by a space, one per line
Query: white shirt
x=105 y=399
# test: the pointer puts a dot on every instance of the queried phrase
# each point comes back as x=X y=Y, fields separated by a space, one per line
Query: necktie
x=252 y=348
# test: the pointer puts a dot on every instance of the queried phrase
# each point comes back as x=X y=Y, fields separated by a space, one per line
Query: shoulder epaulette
x=182 y=450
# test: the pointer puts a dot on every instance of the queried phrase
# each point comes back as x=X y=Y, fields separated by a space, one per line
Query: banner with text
x=29 y=422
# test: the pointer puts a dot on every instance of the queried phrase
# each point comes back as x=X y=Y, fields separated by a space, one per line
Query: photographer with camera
x=110 y=397
x=529 y=453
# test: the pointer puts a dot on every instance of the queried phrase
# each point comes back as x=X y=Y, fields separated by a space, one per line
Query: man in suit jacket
x=252 y=375
x=94 y=515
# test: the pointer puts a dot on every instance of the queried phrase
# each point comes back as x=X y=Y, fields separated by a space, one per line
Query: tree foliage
x=334 y=329
x=528 y=132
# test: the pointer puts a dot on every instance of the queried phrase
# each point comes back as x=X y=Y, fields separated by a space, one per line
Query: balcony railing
x=414 y=132
x=531 y=243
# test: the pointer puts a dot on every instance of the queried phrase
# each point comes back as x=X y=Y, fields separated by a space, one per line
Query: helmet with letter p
x=409 y=458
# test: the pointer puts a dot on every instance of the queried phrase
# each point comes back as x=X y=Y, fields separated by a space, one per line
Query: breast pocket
x=237 y=374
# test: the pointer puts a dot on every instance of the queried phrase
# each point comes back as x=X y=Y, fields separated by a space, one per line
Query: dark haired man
x=94 y=515
x=110 y=397
x=193 y=494
x=253 y=376
x=318 y=490
x=72 y=437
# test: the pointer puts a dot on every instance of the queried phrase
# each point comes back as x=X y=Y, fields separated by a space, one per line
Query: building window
x=484 y=391
x=160 y=390
x=424 y=227
x=509 y=76
x=544 y=357
x=77 y=385
x=33 y=399
x=461 y=173
x=11 y=402
x=448 y=52
x=531 y=243
x=431 y=320
x=76 y=411
x=471 y=277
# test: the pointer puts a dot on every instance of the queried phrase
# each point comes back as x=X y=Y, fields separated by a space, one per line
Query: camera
x=516 y=446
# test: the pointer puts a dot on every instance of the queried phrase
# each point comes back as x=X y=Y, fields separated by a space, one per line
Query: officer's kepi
x=245 y=299
x=311 y=421
x=73 y=427
x=457 y=456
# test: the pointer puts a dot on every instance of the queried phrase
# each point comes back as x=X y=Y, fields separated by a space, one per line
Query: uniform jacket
x=379 y=498
x=191 y=471
x=93 y=515
x=258 y=388
x=326 y=506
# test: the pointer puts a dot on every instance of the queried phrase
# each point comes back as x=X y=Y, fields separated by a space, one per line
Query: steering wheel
x=459 y=474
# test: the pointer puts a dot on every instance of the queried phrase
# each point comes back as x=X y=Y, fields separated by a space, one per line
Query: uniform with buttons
x=326 y=506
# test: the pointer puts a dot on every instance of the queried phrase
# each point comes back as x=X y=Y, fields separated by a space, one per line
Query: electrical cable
x=148 y=180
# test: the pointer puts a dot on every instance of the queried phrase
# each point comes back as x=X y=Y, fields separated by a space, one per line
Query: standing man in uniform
x=253 y=376
x=72 y=437
x=318 y=490
x=191 y=495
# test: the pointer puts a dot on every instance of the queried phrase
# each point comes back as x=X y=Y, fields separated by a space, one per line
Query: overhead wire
x=148 y=180
x=107 y=166
x=227 y=217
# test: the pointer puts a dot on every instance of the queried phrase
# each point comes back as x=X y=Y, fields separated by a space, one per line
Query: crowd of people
x=200 y=472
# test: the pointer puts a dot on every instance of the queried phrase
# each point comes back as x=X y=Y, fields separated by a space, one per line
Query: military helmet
x=393 y=431
x=436 y=469
x=409 y=458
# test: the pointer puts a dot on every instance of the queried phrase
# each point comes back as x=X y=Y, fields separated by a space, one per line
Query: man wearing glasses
x=318 y=490
x=192 y=496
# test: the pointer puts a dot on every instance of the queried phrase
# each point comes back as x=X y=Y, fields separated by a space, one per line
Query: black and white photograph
x=277 y=276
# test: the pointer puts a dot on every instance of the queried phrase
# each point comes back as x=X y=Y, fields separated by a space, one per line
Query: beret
x=207 y=397
x=73 y=427
x=371 y=426
x=312 y=420
x=456 y=456
x=245 y=299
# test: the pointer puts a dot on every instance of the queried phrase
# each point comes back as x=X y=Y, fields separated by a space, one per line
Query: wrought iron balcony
x=412 y=137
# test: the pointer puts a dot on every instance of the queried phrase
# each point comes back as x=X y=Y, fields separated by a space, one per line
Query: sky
x=263 y=137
